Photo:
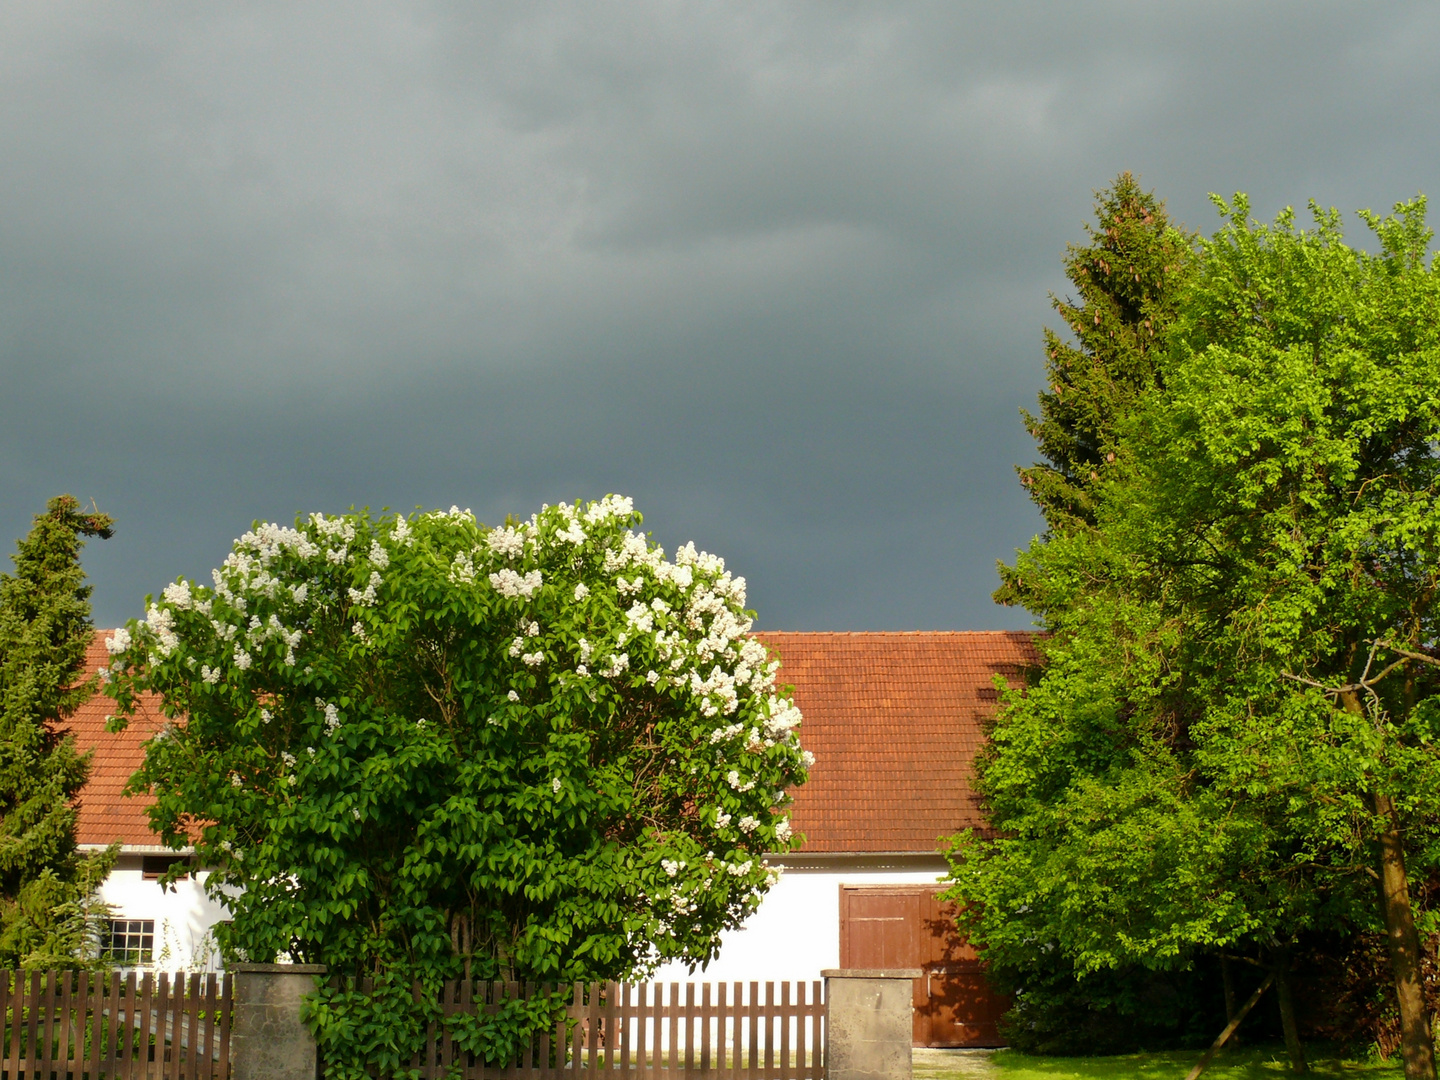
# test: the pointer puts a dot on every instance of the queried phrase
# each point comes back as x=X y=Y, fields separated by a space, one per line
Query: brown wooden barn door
x=900 y=926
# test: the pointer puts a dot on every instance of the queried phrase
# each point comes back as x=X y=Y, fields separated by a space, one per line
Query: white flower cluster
x=682 y=633
x=733 y=779
x=366 y=597
x=508 y=583
x=118 y=642
x=507 y=542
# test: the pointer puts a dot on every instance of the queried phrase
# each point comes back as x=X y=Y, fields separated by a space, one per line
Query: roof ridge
x=896 y=633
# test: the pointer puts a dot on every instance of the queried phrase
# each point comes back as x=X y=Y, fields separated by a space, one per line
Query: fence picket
x=75 y=1025
x=156 y=1071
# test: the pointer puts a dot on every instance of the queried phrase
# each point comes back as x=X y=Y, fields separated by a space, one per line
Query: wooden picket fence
x=705 y=1032
x=83 y=1025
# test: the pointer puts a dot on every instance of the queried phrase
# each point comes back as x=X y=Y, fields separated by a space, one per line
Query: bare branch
x=1424 y=658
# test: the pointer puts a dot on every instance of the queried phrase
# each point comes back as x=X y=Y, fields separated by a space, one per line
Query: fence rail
x=84 y=1025
x=734 y=1031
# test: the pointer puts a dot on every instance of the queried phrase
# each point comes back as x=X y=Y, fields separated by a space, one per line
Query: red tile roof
x=105 y=814
x=894 y=720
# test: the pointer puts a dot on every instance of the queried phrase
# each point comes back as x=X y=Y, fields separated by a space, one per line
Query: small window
x=153 y=867
x=128 y=942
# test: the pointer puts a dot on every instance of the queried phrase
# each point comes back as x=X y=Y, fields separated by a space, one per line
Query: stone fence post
x=868 y=1023
x=268 y=1040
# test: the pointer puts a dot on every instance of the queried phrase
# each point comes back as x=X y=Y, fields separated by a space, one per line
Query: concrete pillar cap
x=279 y=969
x=872 y=973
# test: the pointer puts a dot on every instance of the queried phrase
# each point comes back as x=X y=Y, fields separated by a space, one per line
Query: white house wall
x=183 y=915
x=795 y=933
x=793 y=936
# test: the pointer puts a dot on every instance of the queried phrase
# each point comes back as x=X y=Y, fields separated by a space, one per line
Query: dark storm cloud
x=778 y=271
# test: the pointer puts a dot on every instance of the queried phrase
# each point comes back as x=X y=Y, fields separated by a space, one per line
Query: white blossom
x=610 y=506
x=209 y=674
x=585 y=649
x=739 y=869
x=513 y=696
x=235 y=780
x=162 y=624
x=721 y=819
x=401 y=533
x=733 y=779
x=177 y=595
x=118 y=642
x=516 y=647
x=533 y=659
x=508 y=583
x=332 y=715
x=617 y=663
x=506 y=542
x=581 y=669
x=533 y=630
x=749 y=824
x=378 y=555
x=242 y=659
x=366 y=597
x=640 y=617
x=333 y=527
x=299 y=592
x=462 y=569
x=716 y=691
x=807 y=758
x=581 y=591
x=783 y=715
x=652 y=677
x=555 y=785
x=572 y=533
x=672 y=866
x=783 y=831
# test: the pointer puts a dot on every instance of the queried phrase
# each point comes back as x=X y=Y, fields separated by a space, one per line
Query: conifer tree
x=45 y=881
x=1128 y=279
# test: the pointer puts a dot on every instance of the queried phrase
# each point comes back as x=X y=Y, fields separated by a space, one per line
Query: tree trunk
x=1287 y=1014
x=1415 y=1045
x=1416 y=1048
x=1228 y=978
x=1204 y=1062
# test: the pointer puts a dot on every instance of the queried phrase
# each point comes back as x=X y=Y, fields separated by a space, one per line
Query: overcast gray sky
x=778 y=271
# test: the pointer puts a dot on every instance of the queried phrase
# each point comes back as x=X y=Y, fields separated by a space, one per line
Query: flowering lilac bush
x=415 y=747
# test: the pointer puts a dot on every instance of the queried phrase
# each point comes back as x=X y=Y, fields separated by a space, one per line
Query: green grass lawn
x=1247 y=1063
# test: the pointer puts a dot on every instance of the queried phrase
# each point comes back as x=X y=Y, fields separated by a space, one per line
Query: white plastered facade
x=183 y=915
x=795 y=933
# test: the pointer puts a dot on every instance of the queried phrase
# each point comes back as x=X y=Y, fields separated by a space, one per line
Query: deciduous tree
x=1234 y=740
x=417 y=748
